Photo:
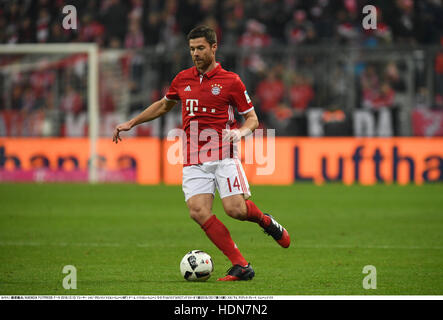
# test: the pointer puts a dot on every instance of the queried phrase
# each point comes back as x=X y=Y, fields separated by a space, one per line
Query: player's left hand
x=232 y=135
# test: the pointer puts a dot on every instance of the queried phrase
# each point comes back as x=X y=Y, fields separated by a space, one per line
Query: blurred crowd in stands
x=280 y=94
x=138 y=23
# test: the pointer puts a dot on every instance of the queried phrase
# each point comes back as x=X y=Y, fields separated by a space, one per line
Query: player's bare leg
x=239 y=208
x=200 y=209
x=235 y=207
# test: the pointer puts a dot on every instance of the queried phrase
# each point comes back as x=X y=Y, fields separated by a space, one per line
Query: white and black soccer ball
x=196 y=265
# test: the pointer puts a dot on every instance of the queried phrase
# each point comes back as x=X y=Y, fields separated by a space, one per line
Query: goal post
x=91 y=50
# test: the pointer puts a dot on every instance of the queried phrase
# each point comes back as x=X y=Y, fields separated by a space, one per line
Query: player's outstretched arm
x=155 y=110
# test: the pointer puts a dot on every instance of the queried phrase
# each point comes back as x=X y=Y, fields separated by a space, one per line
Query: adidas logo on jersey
x=188 y=88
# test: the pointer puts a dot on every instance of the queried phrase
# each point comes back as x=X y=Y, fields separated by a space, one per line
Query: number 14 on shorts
x=235 y=185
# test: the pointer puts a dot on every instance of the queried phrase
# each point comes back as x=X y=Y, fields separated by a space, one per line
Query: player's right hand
x=121 y=127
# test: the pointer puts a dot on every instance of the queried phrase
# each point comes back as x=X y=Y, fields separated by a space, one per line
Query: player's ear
x=214 y=47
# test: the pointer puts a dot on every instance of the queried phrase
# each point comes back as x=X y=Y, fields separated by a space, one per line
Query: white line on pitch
x=147 y=245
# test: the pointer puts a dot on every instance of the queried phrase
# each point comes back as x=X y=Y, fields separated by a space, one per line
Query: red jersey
x=208 y=103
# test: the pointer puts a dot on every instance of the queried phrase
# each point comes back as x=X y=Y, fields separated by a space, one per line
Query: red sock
x=220 y=236
x=255 y=215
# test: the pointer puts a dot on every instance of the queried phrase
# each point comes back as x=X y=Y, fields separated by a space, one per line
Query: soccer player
x=209 y=94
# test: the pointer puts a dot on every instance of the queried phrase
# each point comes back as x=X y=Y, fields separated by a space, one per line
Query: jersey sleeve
x=239 y=97
x=172 y=93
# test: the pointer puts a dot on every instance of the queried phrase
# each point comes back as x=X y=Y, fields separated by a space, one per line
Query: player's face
x=202 y=53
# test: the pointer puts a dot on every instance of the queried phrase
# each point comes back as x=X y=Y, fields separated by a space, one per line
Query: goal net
x=47 y=90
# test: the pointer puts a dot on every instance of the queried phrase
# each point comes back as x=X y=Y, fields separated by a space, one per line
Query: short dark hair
x=203 y=32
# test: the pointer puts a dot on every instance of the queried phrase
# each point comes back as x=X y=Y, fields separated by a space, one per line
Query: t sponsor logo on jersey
x=188 y=88
x=191 y=106
x=216 y=89
x=248 y=100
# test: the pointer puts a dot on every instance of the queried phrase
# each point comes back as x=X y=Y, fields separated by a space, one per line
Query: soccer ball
x=196 y=265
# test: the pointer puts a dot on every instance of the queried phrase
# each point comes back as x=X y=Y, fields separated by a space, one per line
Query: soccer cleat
x=237 y=273
x=277 y=232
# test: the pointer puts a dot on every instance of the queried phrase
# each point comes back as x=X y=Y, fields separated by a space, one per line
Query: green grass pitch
x=129 y=240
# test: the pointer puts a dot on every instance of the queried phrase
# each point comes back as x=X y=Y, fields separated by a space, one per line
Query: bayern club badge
x=216 y=89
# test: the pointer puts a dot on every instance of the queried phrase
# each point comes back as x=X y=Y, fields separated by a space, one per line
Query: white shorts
x=227 y=176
